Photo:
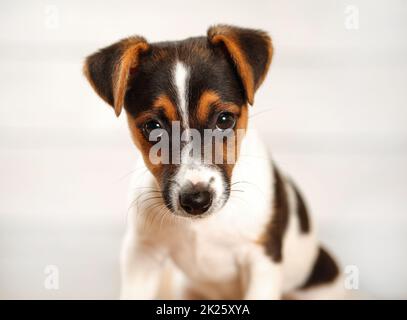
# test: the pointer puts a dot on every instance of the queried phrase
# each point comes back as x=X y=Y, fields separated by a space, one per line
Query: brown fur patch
x=165 y=103
x=241 y=125
x=238 y=57
x=144 y=146
x=205 y=102
x=231 y=146
x=232 y=151
x=128 y=61
x=251 y=51
x=121 y=58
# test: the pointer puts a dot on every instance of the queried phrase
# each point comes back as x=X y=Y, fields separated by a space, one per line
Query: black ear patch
x=250 y=50
x=108 y=69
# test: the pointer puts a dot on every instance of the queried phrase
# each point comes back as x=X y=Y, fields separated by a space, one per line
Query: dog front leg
x=262 y=278
x=141 y=270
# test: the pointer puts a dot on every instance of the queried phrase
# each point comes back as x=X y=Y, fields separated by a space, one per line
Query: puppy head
x=176 y=95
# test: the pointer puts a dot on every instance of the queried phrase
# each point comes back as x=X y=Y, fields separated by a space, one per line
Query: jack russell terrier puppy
x=234 y=229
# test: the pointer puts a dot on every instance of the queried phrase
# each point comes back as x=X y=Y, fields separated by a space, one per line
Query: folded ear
x=108 y=69
x=251 y=51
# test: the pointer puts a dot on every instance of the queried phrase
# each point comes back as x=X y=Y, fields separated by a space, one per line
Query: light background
x=333 y=111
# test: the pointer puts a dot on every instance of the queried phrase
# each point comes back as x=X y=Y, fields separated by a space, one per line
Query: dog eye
x=226 y=120
x=149 y=126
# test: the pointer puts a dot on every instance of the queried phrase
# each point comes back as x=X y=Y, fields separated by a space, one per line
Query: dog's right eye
x=149 y=126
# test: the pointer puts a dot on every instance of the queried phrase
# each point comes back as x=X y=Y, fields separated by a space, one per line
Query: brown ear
x=108 y=69
x=251 y=51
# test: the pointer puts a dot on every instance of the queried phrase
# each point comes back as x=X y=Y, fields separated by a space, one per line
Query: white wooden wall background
x=333 y=111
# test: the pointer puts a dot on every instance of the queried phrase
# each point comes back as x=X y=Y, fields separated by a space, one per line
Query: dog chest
x=207 y=254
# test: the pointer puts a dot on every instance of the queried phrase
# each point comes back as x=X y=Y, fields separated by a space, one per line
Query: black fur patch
x=101 y=70
x=278 y=225
x=302 y=211
x=255 y=45
x=325 y=270
x=101 y=67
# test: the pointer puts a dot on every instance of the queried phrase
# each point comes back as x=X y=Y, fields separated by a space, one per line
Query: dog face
x=180 y=93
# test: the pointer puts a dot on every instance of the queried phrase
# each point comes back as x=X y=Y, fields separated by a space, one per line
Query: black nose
x=195 y=199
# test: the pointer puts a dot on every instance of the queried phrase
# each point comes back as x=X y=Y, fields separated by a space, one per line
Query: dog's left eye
x=226 y=120
x=149 y=126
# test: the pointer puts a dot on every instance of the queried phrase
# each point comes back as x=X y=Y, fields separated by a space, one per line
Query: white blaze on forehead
x=181 y=78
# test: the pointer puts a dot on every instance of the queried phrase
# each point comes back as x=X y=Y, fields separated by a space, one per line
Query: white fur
x=220 y=255
x=331 y=291
x=198 y=173
x=180 y=82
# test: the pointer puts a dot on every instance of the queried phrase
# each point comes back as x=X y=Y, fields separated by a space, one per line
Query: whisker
x=260 y=112
x=129 y=173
